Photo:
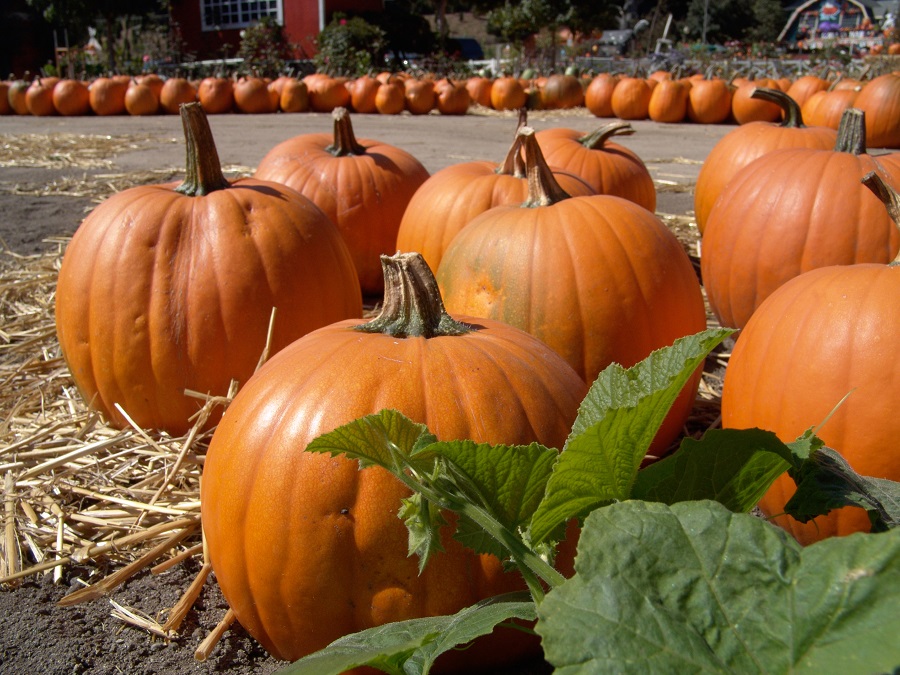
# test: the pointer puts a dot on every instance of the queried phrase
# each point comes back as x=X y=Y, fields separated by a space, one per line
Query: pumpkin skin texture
x=609 y=167
x=791 y=211
x=446 y=202
x=107 y=96
x=599 y=279
x=307 y=547
x=161 y=291
x=709 y=101
x=749 y=141
x=825 y=108
x=598 y=95
x=363 y=185
x=880 y=100
x=827 y=333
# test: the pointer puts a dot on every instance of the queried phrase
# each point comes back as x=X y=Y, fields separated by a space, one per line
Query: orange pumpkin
x=805 y=86
x=599 y=279
x=107 y=95
x=16 y=97
x=167 y=288
x=307 y=548
x=825 y=108
x=880 y=100
x=561 y=92
x=446 y=202
x=327 y=93
x=749 y=141
x=709 y=101
x=479 y=89
x=631 y=98
x=362 y=185
x=390 y=99
x=175 y=92
x=253 y=96
x=216 y=95
x=141 y=99
x=609 y=167
x=791 y=211
x=598 y=95
x=420 y=96
x=452 y=98
x=747 y=108
x=71 y=98
x=294 y=97
x=668 y=101
x=39 y=96
x=507 y=93
x=827 y=334
x=362 y=94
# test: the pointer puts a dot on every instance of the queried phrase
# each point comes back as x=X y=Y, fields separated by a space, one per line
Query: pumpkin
x=16 y=97
x=598 y=278
x=802 y=89
x=216 y=95
x=749 y=141
x=745 y=107
x=479 y=89
x=71 y=98
x=880 y=100
x=668 y=101
x=507 y=93
x=39 y=96
x=420 y=96
x=791 y=211
x=253 y=96
x=362 y=94
x=362 y=185
x=598 y=95
x=561 y=92
x=709 y=101
x=390 y=99
x=609 y=167
x=327 y=93
x=152 y=80
x=446 y=202
x=294 y=96
x=306 y=547
x=106 y=96
x=141 y=99
x=167 y=288
x=175 y=92
x=631 y=98
x=825 y=108
x=827 y=334
x=452 y=97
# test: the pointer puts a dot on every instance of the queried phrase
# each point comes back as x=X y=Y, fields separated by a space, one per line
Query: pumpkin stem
x=514 y=164
x=345 y=142
x=597 y=138
x=852 y=132
x=543 y=189
x=413 y=306
x=792 y=117
x=203 y=174
x=888 y=196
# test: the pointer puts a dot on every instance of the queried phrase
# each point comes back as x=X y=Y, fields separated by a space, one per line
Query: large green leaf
x=411 y=647
x=695 y=588
x=733 y=467
x=613 y=430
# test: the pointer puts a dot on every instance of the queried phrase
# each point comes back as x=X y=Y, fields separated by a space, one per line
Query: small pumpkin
x=479 y=89
x=141 y=99
x=598 y=278
x=631 y=98
x=507 y=93
x=790 y=211
x=598 y=95
x=71 y=98
x=362 y=94
x=175 y=92
x=668 y=101
x=363 y=185
x=106 y=95
x=827 y=334
x=167 y=288
x=452 y=97
x=294 y=96
x=216 y=95
x=825 y=108
x=747 y=108
x=390 y=99
x=39 y=96
x=709 y=101
x=253 y=96
x=307 y=548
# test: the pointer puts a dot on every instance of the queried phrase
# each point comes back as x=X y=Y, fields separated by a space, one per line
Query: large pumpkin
x=167 y=288
x=453 y=196
x=880 y=100
x=790 y=211
x=609 y=167
x=830 y=333
x=363 y=185
x=597 y=278
x=749 y=141
x=306 y=547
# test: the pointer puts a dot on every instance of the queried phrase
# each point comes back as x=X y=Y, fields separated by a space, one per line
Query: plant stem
x=203 y=173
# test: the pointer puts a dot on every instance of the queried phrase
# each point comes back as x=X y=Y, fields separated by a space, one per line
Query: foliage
x=265 y=48
x=760 y=20
x=666 y=572
x=350 y=47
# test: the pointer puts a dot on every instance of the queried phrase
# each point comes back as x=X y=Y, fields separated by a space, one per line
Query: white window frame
x=239 y=13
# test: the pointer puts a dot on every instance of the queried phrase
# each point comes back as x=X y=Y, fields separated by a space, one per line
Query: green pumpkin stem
x=852 y=132
x=413 y=306
x=203 y=173
x=597 y=138
x=345 y=142
x=888 y=196
x=792 y=119
x=543 y=189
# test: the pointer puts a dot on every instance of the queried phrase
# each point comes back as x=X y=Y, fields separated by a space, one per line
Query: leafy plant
x=349 y=47
x=265 y=48
x=667 y=580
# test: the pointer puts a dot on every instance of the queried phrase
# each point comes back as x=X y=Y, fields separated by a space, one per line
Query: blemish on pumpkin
x=854 y=575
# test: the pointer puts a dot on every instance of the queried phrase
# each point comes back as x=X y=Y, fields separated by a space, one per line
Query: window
x=219 y=14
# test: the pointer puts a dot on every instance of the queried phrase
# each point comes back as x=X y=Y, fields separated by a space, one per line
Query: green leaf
x=508 y=482
x=825 y=481
x=423 y=521
x=734 y=467
x=411 y=647
x=613 y=430
x=696 y=588
x=387 y=439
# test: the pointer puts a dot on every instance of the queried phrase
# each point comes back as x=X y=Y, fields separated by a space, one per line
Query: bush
x=349 y=47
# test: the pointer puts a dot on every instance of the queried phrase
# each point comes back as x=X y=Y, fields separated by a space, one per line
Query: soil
x=42 y=199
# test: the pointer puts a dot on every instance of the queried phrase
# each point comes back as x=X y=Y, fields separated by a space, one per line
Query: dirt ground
x=45 y=197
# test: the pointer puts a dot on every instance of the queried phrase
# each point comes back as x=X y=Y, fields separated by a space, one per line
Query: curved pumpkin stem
x=204 y=171
x=413 y=306
x=543 y=188
x=597 y=138
x=888 y=196
x=852 y=132
x=513 y=165
x=792 y=117
x=345 y=142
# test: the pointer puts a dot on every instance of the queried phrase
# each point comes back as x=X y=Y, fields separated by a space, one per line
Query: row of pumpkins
x=661 y=97
x=517 y=282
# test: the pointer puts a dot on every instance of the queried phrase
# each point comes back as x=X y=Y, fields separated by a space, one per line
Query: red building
x=207 y=25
